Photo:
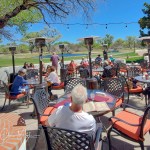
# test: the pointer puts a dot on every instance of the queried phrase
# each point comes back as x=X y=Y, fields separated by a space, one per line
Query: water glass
x=92 y=96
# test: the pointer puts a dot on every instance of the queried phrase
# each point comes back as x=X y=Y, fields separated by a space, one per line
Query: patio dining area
x=36 y=140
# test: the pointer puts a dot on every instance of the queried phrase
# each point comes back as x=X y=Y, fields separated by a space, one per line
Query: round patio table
x=100 y=69
x=142 y=79
x=100 y=96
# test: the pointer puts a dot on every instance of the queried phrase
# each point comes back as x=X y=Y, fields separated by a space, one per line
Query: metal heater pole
x=13 y=63
x=40 y=59
x=90 y=49
x=62 y=54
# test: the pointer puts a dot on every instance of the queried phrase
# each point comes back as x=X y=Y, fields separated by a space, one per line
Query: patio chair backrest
x=62 y=139
x=71 y=83
x=114 y=86
x=134 y=71
x=144 y=119
x=31 y=73
x=6 y=88
x=41 y=101
x=84 y=73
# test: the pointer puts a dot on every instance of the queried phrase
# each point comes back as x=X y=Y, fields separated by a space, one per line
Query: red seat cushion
x=48 y=111
x=60 y=86
x=15 y=97
x=131 y=131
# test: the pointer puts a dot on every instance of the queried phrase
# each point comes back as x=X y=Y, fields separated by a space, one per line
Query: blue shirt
x=17 y=85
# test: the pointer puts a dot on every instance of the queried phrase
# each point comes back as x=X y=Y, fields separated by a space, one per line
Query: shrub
x=135 y=59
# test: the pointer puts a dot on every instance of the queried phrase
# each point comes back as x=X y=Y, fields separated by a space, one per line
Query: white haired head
x=79 y=94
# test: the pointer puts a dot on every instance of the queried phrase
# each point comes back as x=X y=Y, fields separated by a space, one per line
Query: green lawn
x=6 y=60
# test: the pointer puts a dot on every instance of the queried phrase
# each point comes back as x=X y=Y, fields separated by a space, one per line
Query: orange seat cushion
x=139 y=89
x=123 y=70
x=118 y=102
x=60 y=86
x=131 y=131
x=48 y=111
x=12 y=97
x=136 y=90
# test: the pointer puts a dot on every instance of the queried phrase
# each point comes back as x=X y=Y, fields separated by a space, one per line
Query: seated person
x=72 y=116
x=31 y=65
x=111 y=59
x=18 y=85
x=84 y=63
x=25 y=66
x=98 y=59
x=43 y=68
x=132 y=83
x=71 y=67
x=52 y=79
x=109 y=71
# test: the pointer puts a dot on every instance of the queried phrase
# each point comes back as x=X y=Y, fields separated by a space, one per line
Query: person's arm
x=54 y=117
x=24 y=81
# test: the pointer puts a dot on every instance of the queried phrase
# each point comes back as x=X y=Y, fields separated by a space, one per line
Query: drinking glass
x=92 y=96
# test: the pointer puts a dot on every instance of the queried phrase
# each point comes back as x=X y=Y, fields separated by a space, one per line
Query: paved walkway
x=118 y=142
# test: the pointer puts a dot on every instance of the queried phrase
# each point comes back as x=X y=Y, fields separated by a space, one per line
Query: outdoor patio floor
x=118 y=142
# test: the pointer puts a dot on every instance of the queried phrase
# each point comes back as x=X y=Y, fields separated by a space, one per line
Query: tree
x=130 y=41
x=108 y=39
x=22 y=12
x=119 y=43
x=145 y=21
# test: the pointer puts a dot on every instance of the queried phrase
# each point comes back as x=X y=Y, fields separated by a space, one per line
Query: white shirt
x=64 y=118
x=53 y=78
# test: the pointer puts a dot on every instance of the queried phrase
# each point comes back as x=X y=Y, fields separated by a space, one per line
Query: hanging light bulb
x=68 y=27
x=106 y=26
x=86 y=26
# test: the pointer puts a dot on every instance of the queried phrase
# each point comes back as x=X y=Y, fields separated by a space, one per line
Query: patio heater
x=63 y=70
x=12 y=49
x=40 y=43
x=146 y=40
x=61 y=47
x=91 y=83
x=105 y=55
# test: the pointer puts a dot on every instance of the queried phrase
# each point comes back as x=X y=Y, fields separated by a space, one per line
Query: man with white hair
x=73 y=117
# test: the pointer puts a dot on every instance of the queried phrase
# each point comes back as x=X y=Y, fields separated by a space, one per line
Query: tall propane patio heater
x=90 y=82
x=40 y=43
x=63 y=70
x=12 y=49
x=146 y=40
x=61 y=47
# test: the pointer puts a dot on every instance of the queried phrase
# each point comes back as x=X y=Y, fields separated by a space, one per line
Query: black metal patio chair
x=8 y=95
x=115 y=87
x=130 y=125
x=63 y=139
x=71 y=83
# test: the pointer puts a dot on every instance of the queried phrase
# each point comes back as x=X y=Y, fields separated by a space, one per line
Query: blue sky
x=107 y=11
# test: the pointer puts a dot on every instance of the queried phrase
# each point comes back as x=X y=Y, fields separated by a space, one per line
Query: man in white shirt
x=73 y=117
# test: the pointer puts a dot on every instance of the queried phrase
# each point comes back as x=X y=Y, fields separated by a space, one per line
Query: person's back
x=73 y=117
x=54 y=59
x=76 y=121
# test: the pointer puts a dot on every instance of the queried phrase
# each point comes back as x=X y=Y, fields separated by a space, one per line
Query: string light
x=67 y=26
x=90 y=24
x=106 y=26
x=86 y=26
